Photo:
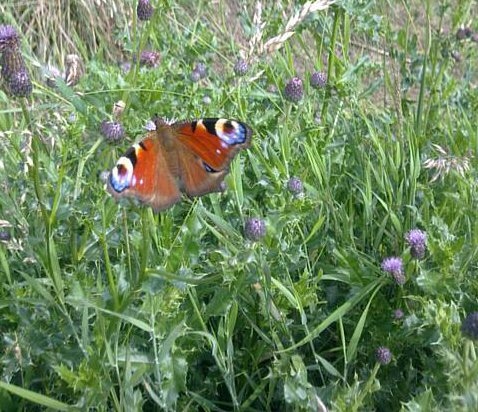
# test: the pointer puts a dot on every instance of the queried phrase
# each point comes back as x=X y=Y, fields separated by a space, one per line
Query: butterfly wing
x=206 y=148
x=144 y=173
x=215 y=141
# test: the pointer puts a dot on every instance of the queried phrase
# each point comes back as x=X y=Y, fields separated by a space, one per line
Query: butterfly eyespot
x=231 y=132
x=121 y=177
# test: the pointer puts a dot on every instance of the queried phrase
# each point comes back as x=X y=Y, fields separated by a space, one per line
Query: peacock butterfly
x=190 y=157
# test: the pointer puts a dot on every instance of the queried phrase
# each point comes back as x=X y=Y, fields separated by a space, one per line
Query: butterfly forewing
x=215 y=141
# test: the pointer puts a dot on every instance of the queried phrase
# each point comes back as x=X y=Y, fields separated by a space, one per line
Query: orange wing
x=215 y=141
x=144 y=173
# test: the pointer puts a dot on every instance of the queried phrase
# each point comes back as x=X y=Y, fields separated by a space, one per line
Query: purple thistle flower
x=12 y=62
x=394 y=266
x=469 y=327
x=125 y=66
x=144 y=10
x=241 y=67
x=398 y=314
x=255 y=228
x=201 y=69
x=149 y=58
x=294 y=90
x=112 y=131
x=318 y=80
x=5 y=236
x=417 y=240
x=383 y=355
x=295 y=186
x=464 y=32
x=456 y=55
x=8 y=37
x=19 y=84
x=150 y=126
x=195 y=76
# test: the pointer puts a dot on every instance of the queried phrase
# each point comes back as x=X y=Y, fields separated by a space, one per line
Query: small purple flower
x=318 y=80
x=19 y=84
x=464 y=33
x=125 y=66
x=201 y=68
x=8 y=37
x=469 y=327
x=149 y=58
x=456 y=55
x=5 y=236
x=383 y=355
x=398 y=314
x=255 y=228
x=295 y=186
x=144 y=10
x=112 y=131
x=417 y=240
x=150 y=126
x=294 y=90
x=195 y=76
x=241 y=67
x=394 y=266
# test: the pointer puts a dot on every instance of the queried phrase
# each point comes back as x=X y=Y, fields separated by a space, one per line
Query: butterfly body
x=183 y=157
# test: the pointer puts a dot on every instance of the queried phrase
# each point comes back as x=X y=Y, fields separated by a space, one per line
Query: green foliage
x=111 y=306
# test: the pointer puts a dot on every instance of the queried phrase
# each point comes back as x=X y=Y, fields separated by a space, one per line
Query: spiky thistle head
x=294 y=90
x=8 y=37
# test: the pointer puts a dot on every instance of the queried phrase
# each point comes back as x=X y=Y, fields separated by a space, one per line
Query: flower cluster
x=16 y=78
x=464 y=33
x=295 y=186
x=112 y=131
x=199 y=72
x=241 y=67
x=149 y=58
x=144 y=10
x=294 y=90
x=417 y=240
x=255 y=229
x=383 y=355
x=394 y=266
x=318 y=80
